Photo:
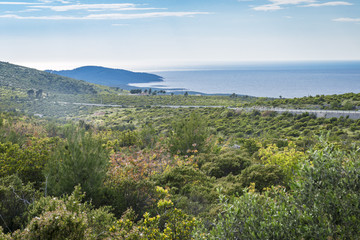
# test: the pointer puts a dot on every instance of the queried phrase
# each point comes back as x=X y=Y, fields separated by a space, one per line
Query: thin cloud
x=142 y=15
x=51 y=1
x=17 y=3
x=23 y=11
x=107 y=16
x=268 y=7
x=92 y=7
x=331 y=4
x=277 y=4
x=14 y=16
x=353 y=20
x=291 y=2
x=119 y=24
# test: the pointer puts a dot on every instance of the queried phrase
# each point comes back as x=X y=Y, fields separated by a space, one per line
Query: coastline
x=270 y=80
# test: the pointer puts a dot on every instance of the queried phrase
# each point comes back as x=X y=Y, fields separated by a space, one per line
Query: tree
x=348 y=106
x=335 y=104
x=81 y=159
x=31 y=93
x=39 y=93
x=135 y=91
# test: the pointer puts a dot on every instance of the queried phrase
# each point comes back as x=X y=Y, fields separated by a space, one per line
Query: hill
x=20 y=77
x=108 y=76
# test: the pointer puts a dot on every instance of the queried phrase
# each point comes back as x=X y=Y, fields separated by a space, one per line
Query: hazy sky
x=156 y=34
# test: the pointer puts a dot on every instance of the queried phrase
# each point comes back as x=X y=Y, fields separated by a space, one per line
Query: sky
x=166 y=34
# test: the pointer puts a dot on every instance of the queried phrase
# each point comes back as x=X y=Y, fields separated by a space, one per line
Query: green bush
x=15 y=198
x=221 y=165
x=123 y=194
x=183 y=179
x=323 y=202
x=250 y=145
x=329 y=186
x=188 y=134
x=263 y=176
x=272 y=215
x=192 y=190
x=66 y=218
x=4 y=236
x=148 y=136
x=59 y=224
x=168 y=223
x=27 y=162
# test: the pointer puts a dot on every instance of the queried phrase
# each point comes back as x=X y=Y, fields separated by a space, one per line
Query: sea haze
x=266 y=79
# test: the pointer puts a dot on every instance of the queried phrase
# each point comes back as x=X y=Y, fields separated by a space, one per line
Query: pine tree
x=81 y=159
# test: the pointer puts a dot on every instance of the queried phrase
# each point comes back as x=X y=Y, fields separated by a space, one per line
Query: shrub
x=188 y=134
x=169 y=223
x=124 y=193
x=149 y=136
x=287 y=159
x=183 y=179
x=192 y=189
x=66 y=218
x=329 y=185
x=322 y=203
x=221 y=165
x=263 y=176
x=28 y=162
x=59 y=224
x=15 y=198
x=4 y=236
x=250 y=145
x=271 y=215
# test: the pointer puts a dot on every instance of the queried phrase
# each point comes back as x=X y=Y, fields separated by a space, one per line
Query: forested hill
x=108 y=76
x=31 y=79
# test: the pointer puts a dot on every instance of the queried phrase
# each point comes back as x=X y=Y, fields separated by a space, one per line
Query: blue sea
x=295 y=79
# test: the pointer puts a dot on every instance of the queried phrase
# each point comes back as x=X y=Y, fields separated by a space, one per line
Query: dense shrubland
x=182 y=173
x=59 y=104
x=347 y=101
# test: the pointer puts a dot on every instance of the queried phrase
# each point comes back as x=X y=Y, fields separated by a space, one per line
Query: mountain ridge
x=108 y=76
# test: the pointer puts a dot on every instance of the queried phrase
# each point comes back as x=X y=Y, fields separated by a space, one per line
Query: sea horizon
x=264 y=79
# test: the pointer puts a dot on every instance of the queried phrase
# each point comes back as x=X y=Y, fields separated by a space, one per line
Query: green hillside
x=15 y=76
x=73 y=168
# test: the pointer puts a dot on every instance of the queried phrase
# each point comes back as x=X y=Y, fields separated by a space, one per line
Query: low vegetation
x=152 y=172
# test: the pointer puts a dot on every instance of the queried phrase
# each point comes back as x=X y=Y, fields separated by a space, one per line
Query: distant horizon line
x=200 y=66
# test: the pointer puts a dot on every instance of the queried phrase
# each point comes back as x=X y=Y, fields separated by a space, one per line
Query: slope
x=20 y=77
